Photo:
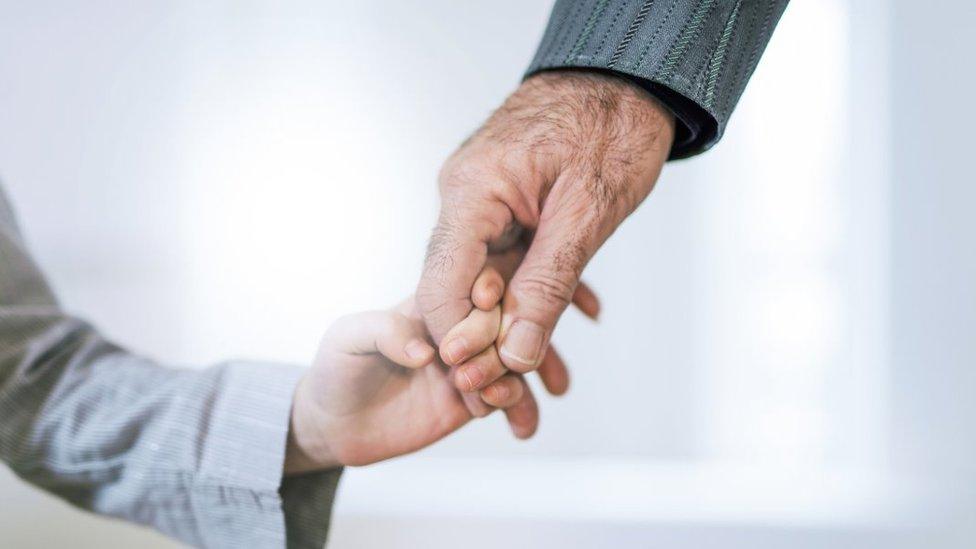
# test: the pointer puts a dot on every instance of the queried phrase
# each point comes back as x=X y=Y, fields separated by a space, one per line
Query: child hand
x=377 y=390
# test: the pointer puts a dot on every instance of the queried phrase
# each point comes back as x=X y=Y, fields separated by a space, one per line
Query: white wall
x=933 y=299
x=784 y=317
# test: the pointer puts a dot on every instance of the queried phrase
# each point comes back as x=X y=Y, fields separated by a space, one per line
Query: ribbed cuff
x=245 y=454
x=695 y=56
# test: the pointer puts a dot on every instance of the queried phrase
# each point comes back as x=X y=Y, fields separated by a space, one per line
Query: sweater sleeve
x=195 y=454
x=695 y=56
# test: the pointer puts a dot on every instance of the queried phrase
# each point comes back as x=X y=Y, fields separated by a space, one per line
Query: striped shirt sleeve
x=696 y=56
x=196 y=454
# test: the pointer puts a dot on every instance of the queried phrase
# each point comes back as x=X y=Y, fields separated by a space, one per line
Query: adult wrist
x=618 y=91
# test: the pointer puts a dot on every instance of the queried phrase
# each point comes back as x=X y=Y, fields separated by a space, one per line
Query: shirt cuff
x=695 y=57
x=241 y=496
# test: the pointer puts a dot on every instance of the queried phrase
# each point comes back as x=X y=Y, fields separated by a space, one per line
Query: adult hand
x=474 y=372
x=558 y=167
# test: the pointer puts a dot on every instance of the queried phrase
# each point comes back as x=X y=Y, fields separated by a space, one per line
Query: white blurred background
x=787 y=355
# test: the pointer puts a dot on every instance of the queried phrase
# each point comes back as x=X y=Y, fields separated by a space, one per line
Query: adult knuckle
x=464 y=174
x=569 y=259
x=549 y=289
x=440 y=257
x=431 y=303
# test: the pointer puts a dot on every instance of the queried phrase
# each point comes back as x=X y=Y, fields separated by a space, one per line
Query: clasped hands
x=525 y=203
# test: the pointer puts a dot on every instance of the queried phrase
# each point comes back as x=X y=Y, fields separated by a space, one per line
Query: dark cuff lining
x=696 y=129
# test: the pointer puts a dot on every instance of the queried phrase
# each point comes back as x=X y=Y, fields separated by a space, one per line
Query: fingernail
x=498 y=392
x=456 y=350
x=523 y=343
x=472 y=375
x=416 y=349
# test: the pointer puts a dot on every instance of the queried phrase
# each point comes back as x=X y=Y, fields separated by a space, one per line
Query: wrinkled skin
x=555 y=170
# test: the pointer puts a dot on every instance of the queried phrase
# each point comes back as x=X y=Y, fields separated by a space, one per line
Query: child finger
x=391 y=334
x=470 y=336
x=504 y=392
x=479 y=371
x=473 y=402
x=488 y=289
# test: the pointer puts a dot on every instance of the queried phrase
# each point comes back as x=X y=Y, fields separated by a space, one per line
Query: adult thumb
x=544 y=284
